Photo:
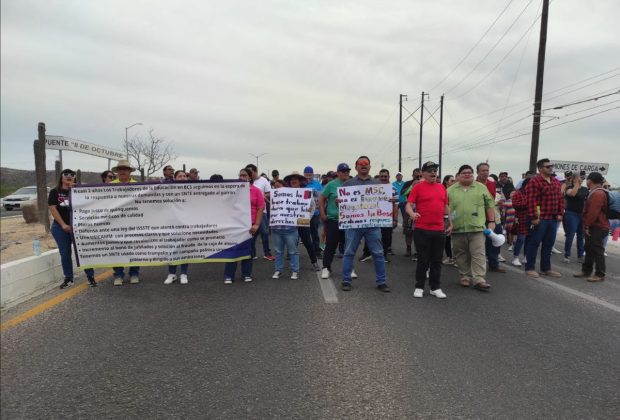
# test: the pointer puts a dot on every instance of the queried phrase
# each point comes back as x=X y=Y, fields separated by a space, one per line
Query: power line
x=474 y=47
x=583 y=101
x=500 y=61
x=492 y=48
x=584 y=110
x=492 y=141
x=548 y=93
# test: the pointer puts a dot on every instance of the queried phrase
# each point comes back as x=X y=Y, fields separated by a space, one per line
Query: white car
x=20 y=197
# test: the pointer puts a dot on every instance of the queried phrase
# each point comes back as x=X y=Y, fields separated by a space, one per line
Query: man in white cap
x=123 y=170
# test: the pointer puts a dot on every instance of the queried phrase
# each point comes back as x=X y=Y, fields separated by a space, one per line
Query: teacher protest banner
x=290 y=207
x=156 y=224
x=363 y=206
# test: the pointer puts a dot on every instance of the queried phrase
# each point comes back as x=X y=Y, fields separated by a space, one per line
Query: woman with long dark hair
x=60 y=208
x=447 y=181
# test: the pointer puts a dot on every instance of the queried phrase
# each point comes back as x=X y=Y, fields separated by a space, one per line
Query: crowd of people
x=452 y=221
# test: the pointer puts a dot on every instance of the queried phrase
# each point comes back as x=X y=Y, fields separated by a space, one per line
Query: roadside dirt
x=16 y=239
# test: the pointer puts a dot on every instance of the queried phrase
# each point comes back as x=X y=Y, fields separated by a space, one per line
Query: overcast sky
x=310 y=82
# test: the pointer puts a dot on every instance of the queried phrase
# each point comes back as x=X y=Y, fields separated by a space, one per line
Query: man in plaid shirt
x=545 y=207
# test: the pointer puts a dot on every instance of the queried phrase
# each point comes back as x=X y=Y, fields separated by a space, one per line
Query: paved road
x=276 y=349
x=5 y=213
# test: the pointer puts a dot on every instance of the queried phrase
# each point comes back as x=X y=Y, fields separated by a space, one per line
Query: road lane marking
x=569 y=290
x=51 y=303
x=328 y=289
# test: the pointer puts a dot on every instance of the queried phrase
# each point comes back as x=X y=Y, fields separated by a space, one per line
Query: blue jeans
x=63 y=239
x=264 y=234
x=288 y=239
x=493 y=251
x=573 y=224
x=246 y=265
x=516 y=250
x=372 y=237
x=543 y=233
x=172 y=269
x=120 y=271
x=315 y=221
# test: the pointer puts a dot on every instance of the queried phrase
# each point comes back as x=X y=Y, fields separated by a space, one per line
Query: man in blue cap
x=315 y=220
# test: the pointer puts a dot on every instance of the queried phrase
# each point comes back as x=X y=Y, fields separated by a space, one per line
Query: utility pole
x=400 y=133
x=41 y=173
x=421 y=124
x=440 y=131
x=539 y=85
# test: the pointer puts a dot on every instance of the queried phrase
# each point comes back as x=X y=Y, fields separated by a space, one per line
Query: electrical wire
x=492 y=48
x=583 y=101
x=474 y=47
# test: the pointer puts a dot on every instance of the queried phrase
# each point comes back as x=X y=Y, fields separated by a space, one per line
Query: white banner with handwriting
x=290 y=207
x=364 y=206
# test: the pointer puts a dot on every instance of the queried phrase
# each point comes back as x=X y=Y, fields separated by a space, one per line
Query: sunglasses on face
x=363 y=162
x=69 y=175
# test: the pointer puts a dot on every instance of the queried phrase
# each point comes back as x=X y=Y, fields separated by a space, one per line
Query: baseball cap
x=308 y=170
x=429 y=165
x=343 y=167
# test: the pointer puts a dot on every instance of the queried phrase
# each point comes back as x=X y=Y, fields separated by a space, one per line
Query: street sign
x=561 y=166
x=74 y=145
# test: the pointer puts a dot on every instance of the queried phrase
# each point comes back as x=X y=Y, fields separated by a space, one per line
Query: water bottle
x=36 y=246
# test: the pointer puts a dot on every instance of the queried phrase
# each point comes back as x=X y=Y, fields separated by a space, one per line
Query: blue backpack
x=613 y=204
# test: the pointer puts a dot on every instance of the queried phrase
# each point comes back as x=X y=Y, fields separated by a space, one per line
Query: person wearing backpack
x=614 y=212
x=596 y=228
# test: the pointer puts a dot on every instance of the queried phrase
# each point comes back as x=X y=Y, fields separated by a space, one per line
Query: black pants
x=595 y=252
x=334 y=236
x=448 y=246
x=429 y=244
x=306 y=239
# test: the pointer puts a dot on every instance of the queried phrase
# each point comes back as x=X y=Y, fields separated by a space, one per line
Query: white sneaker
x=353 y=274
x=294 y=275
x=325 y=273
x=418 y=293
x=524 y=260
x=184 y=279
x=247 y=279
x=516 y=262
x=510 y=248
x=554 y=250
x=566 y=260
x=134 y=280
x=500 y=258
x=276 y=275
x=170 y=279
x=438 y=293
x=227 y=280
x=118 y=281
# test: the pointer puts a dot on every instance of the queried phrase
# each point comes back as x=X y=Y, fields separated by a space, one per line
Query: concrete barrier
x=29 y=277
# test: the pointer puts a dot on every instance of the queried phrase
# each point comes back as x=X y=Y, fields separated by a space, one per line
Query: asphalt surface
x=276 y=349
x=6 y=213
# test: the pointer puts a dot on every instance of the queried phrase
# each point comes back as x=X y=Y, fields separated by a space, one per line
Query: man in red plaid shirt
x=545 y=207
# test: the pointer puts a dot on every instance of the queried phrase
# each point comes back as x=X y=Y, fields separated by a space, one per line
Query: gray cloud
x=306 y=82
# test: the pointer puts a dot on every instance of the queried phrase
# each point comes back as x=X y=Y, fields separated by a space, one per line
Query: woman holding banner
x=287 y=236
x=179 y=176
x=257 y=206
x=60 y=208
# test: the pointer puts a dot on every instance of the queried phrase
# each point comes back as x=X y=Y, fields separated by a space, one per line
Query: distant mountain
x=15 y=178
